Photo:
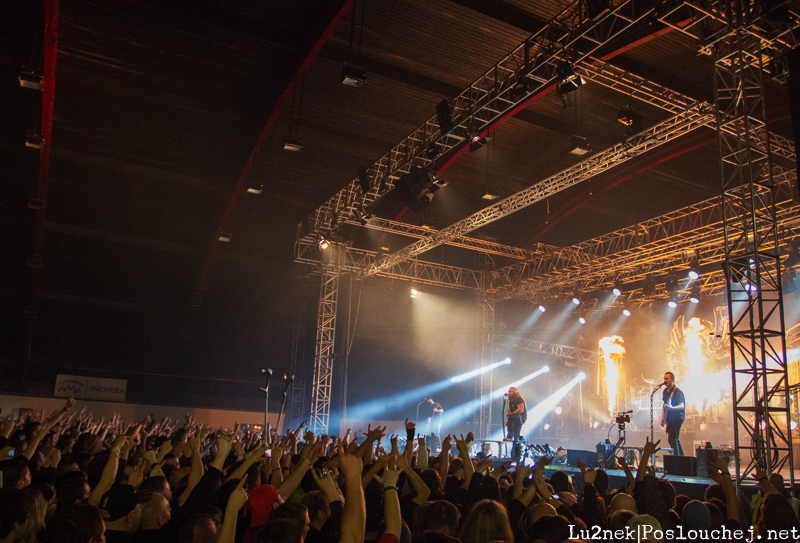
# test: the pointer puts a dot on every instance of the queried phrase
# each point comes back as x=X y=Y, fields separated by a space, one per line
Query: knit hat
x=696 y=516
x=118 y=502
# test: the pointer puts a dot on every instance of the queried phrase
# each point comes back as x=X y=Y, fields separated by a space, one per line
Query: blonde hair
x=488 y=521
x=36 y=518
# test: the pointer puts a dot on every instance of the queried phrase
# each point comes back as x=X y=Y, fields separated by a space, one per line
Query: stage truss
x=644 y=252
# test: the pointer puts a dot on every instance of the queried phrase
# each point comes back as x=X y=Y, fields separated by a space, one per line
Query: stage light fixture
x=595 y=424
x=490 y=193
x=255 y=188
x=292 y=143
x=353 y=75
x=625 y=116
x=576 y=301
x=34 y=141
x=626 y=312
x=694 y=300
x=558 y=410
x=414 y=292
x=29 y=79
x=546 y=426
x=579 y=146
x=225 y=236
x=581 y=376
x=426 y=222
x=616 y=292
x=793 y=425
x=568 y=80
x=582 y=320
x=542 y=308
x=693 y=275
x=323 y=243
x=672 y=304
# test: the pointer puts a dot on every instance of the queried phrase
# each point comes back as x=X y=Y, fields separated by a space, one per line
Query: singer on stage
x=517 y=414
x=673 y=412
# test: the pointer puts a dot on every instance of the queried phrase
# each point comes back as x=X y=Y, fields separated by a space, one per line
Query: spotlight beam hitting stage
x=540 y=411
x=462 y=412
x=376 y=408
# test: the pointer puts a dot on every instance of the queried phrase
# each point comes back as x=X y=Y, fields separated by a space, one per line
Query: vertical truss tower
x=752 y=259
x=323 y=355
x=296 y=408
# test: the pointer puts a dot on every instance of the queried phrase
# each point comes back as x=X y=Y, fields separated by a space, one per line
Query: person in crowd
x=73 y=478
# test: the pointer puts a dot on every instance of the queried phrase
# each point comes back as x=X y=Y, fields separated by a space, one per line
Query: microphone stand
x=265 y=390
x=503 y=418
x=287 y=381
x=420 y=403
x=652 y=439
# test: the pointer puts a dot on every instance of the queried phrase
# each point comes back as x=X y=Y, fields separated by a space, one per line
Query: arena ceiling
x=158 y=107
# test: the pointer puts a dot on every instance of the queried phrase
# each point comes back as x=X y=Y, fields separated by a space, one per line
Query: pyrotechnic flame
x=612 y=348
x=701 y=386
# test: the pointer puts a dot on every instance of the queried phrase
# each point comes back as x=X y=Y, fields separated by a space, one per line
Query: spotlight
x=581 y=376
x=292 y=143
x=694 y=300
x=617 y=292
x=323 y=243
x=490 y=193
x=568 y=80
x=353 y=76
x=546 y=426
x=793 y=425
x=626 y=312
x=255 y=188
x=426 y=222
x=576 y=301
x=34 y=141
x=582 y=320
x=596 y=424
x=414 y=292
x=225 y=236
x=672 y=304
x=542 y=308
x=579 y=146
x=558 y=410
x=30 y=79
x=625 y=116
x=693 y=275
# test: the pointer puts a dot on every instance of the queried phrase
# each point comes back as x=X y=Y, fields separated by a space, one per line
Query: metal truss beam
x=576 y=354
x=484 y=381
x=421 y=272
x=651 y=249
x=324 y=353
x=641 y=143
x=571 y=36
x=761 y=411
x=475 y=244
x=296 y=407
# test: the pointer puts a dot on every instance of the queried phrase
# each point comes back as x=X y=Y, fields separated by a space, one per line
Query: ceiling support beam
x=202 y=280
x=38 y=202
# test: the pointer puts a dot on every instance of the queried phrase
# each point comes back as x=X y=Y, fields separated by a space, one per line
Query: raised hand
x=410 y=425
x=446 y=444
x=589 y=476
x=136 y=476
x=650 y=448
x=238 y=497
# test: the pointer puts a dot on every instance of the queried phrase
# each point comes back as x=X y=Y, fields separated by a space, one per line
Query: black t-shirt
x=513 y=405
x=675 y=397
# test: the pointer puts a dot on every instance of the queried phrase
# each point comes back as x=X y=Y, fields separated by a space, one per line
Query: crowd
x=70 y=478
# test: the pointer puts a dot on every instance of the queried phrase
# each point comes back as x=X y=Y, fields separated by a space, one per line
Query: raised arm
x=237 y=499
x=420 y=488
x=109 y=472
x=196 y=472
x=354 y=514
x=45 y=429
x=463 y=452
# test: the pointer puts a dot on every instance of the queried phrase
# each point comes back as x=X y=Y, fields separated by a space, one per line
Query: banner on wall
x=90 y=388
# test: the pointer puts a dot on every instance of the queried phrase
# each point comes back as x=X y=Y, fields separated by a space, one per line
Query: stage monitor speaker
x=589 y=457
x=680 y=465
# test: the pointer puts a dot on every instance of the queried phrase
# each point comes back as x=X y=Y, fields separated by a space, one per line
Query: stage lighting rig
x=568 y=80
x=579 y=146
x=292 y=143
x=631 y=120
x=490 y=193
x=30 y=79
x=353 y=75
x=255 y=188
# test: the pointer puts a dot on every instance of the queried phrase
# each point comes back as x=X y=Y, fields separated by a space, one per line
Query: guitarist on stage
x=517 y=414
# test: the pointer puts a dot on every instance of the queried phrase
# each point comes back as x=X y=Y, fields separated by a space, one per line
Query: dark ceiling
x=158 y=106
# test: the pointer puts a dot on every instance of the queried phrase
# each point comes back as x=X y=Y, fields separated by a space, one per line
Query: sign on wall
x=90 y=388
